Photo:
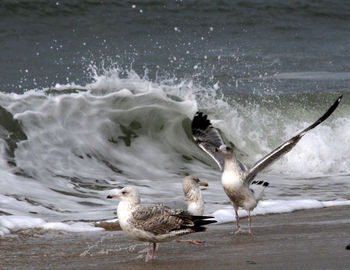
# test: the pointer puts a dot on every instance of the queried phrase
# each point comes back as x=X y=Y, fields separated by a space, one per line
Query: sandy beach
x=309 y=239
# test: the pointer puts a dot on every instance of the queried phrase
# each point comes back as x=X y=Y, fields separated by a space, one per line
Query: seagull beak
x=218 y=150
x=203 y=184
x=113 y=196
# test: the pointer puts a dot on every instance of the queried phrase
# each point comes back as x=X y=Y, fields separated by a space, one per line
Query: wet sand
x=309 y=239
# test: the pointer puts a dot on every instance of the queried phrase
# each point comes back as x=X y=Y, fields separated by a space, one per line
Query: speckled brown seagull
x=194 y=199
x=236 y=177
x=193 y=195
x=154 y=223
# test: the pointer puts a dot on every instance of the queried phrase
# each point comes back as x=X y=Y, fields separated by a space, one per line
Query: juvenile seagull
x=193 y=202
x=236 y=177
x=194 y=199
x=193 y=195
x=154 y=223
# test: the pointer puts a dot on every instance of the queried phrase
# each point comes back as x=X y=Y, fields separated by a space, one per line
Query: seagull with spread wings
x=236 y=177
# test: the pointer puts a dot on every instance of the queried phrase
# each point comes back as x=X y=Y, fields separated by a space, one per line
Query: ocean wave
x=71 y=143
x=114 y=120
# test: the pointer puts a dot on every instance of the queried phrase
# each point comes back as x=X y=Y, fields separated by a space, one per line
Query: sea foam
x=275 y=207
x=12 y=224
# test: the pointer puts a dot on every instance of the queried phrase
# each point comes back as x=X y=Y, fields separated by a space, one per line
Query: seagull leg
x=148 y=254
x=155 y=249
x=249 y=223
x=237 y=220
x=157 y=246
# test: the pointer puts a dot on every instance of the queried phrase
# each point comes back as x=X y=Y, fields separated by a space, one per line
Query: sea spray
x=80 y=141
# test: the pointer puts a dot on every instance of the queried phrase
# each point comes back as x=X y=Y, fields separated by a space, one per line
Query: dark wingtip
x=200 y=121
x=199 y=114
x=334 y=106
x=324 y=116
x=331 y=109
x=336 y=103
x=199 y=229
x=261 y=182
x=109 y=197
x=204 y=222
x=201 y=217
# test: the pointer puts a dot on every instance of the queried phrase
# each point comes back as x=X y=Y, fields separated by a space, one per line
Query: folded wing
x=158 y=219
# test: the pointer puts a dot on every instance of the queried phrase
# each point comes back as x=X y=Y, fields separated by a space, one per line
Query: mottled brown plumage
x=154 y=223
x=158 y=219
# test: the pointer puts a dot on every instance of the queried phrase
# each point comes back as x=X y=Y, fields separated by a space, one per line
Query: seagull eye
x=124 y=192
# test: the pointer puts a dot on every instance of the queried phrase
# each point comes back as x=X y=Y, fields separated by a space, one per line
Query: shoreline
x=307 y=239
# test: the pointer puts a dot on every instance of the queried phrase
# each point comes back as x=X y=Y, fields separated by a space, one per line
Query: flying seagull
x=154 y=223
x=236 y=177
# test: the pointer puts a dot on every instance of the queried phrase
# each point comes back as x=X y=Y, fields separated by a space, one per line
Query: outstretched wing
x=207 y=137
x=287 y=146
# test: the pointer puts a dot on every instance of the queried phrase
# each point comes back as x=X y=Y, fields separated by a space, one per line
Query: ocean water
x=96 y=95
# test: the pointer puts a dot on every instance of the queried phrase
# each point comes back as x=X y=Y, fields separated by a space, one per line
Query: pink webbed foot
x=153 y=249
x=194 y=242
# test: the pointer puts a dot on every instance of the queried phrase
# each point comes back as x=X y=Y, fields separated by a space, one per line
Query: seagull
x=193 y=195
x=237 y=178
x=193 y=200
x=154 y=223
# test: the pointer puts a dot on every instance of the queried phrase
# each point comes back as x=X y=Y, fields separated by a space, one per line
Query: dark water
x=239 y=44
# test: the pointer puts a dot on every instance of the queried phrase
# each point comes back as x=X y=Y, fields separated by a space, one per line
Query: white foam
x=11 y=224
x=74 y=227
x=275 y=207
x=14 y=223
x=322 y=151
